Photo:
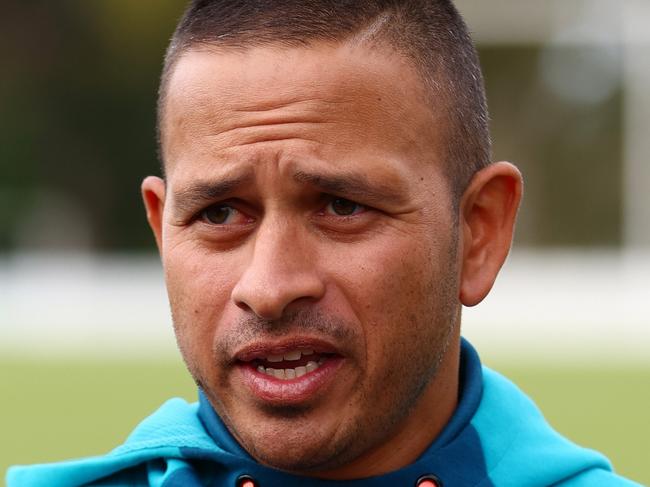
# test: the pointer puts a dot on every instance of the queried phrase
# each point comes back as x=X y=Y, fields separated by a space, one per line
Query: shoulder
x=161 y=436
x=521 y=448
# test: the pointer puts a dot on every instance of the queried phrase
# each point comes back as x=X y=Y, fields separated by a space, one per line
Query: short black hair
x=430 y=33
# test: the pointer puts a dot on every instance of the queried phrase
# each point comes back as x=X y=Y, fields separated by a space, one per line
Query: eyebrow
x=353 y=186
x=199 y=193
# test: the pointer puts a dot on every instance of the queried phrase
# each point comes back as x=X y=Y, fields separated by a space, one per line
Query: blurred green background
x=77 y=99
x=77 y=94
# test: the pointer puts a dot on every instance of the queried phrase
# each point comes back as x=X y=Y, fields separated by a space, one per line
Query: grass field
x=52 y=410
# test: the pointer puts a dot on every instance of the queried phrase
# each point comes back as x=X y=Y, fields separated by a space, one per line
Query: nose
x=280 y=271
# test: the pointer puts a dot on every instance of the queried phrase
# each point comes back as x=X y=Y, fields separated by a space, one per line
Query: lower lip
x=291 y=391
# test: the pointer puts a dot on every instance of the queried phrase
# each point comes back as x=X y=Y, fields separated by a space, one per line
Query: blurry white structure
x=566 y=306
x=613 y=26
x=83 y=305
x=554 y=307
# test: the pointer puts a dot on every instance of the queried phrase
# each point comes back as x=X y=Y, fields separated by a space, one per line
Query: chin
x=301 y=463
x=297 y=452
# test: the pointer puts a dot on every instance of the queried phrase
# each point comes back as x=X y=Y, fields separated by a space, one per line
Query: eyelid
x=233 y=205
x=332 y=198
x=203 y=214
x=250 y=214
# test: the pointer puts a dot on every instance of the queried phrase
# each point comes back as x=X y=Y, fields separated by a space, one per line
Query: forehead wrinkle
x=238 y=137
x=231 y=125
x=230 y=121
x=290 y=100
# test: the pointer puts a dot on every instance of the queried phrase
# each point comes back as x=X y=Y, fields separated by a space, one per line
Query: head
x=328 y=206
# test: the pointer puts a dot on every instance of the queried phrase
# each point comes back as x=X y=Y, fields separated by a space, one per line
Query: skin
x=345 y=128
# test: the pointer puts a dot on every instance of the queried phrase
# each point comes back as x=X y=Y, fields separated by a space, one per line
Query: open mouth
x=290 y=365
x=288 y=373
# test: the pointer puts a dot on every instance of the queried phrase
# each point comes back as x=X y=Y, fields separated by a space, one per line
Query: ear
x=487 y=218
x=153 y=194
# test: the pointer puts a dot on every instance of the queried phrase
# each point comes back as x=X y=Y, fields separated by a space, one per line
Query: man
x=328 y=205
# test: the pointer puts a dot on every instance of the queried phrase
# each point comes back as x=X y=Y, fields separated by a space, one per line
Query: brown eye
x=343 y=207
x=217 y=214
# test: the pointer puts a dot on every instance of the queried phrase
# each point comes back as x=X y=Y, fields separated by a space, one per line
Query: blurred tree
x=568 y=144
x=78 y=104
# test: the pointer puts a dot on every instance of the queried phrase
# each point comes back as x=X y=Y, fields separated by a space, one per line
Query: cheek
x=386 y=278
x=398 y=292
x=199 y=286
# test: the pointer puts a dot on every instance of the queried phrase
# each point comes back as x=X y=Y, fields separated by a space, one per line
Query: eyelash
x=325 y=211
x=334 y=200
x=203 y=214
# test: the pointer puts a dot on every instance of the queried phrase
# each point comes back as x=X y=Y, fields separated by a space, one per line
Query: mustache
x=301 y=321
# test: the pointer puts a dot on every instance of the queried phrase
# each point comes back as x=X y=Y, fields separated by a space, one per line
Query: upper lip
x=263 y=348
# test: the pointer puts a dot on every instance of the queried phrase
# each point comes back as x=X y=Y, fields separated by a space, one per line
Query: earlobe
x=487 y=219
x=153 y=195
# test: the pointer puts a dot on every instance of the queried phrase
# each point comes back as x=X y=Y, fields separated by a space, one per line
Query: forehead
x=342 y=98
x=258 y=75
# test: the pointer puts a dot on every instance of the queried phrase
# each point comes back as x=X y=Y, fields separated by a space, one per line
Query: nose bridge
x=278 y=248
x=280 y=270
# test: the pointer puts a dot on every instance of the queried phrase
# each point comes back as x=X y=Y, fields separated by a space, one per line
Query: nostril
x=242 y=305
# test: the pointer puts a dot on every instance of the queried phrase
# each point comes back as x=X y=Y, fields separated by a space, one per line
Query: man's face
x=309 y=246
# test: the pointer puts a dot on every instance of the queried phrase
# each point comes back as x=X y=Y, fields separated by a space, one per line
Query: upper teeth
x=289 y=356
x=287 y=374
